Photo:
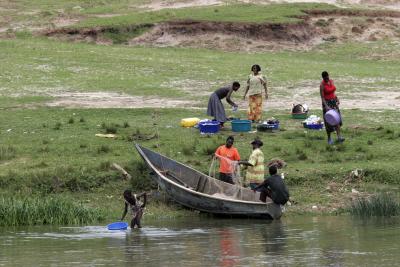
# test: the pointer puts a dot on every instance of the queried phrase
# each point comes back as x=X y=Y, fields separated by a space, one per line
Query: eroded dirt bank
x=315 y=28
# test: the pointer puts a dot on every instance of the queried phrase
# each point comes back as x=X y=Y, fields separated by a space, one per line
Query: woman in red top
x=329 y=101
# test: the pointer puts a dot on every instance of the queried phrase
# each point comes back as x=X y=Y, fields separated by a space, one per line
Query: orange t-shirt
x=226 y=155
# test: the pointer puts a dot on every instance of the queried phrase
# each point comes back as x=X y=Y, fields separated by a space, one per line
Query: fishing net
x=233 y=191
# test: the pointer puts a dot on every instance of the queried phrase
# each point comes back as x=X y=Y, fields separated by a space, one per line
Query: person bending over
x=135 y=206
x=216 y=108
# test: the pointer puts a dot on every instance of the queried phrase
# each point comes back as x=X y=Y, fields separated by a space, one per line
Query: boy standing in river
x=135 y=206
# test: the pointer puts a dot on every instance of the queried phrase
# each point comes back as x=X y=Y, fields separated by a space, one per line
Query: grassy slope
x=43 y=13
x=278 y=13
x=35 y=155
x=38 y=156
x=34 y=66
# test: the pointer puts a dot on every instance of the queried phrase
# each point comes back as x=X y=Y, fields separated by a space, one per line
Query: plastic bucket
x=241 y=125
x=332 y=117
x=209 y=127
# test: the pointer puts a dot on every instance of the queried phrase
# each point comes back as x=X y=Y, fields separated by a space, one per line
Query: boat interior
x=197 y=181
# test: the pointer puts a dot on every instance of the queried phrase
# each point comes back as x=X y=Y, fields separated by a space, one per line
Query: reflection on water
x=229 y=247
x=302 y=241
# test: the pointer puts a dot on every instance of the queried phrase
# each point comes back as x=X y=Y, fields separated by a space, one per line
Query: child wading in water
x=135 y=206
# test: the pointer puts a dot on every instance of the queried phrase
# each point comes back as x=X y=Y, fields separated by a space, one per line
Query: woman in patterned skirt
x=256 y=84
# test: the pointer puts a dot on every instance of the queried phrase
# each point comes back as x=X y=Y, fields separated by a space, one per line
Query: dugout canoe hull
x=198 y=191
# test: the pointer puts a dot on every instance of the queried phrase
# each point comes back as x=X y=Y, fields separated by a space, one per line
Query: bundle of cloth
x=271 y=121
x=279 y=163
x=312 y=120
x=300 y=108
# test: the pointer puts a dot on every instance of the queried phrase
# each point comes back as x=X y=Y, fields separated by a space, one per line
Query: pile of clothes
x=271 y=124
x=313 y=121
x=271 y=121
x=299 y=108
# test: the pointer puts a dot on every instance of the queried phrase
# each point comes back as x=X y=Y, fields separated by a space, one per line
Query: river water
x=295 y=241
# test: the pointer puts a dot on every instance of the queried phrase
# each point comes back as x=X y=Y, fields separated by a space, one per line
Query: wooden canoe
x=196 y=190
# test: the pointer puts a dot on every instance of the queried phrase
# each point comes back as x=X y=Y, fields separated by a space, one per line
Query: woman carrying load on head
x=330 y=101
x=216 y=108
x=256 y=84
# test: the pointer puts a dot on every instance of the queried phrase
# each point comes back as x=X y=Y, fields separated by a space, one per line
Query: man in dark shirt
x=273 y=187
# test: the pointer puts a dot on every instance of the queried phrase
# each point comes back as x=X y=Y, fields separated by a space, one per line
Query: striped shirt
x=256 y=172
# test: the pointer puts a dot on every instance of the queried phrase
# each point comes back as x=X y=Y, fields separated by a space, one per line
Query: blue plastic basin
x=117 y=226
x=313 y=126
x=241 y=125
x=209 y=127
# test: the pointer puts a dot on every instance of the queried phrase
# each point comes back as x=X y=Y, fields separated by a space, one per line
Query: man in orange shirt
x=227 y=154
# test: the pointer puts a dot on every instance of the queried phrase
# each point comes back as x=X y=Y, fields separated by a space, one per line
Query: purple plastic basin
x=332 y=117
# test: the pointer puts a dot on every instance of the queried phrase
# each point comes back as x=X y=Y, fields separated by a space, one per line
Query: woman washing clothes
x=216 y=108
x=330 y=101
x=256 y=84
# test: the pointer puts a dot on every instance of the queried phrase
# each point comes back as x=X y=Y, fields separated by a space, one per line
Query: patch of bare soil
x=367 y=101
x=342 y=29
x=158 y=5
x=391 y=4
x=64 y=21
x=280 y=98
x=162 y=4
x=307 y=93
x=114 y=100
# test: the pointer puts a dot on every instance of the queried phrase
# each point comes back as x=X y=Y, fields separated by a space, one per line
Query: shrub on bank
x=140 y=173
x=384 y=205
x=61 y=179
x=57 y=210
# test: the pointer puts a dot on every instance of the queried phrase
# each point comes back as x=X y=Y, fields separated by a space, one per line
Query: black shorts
x=226 y=177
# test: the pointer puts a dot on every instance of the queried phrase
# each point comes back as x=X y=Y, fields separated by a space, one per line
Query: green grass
x=382 y=205
x=15 y=211
x=7 y=153
x=55 y=151
x=275 y=13
x=22 y=101
x=34 y=67
x=72 y=158
x=31 y=15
